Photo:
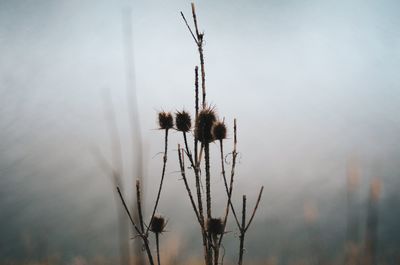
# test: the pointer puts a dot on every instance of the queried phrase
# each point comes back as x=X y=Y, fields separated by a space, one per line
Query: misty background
x=313 y=84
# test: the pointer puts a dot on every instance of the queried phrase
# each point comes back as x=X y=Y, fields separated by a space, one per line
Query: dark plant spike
x=218 y=131
x=165 y=120
x=204 y=122
x=183 y=122
x=157 y=224
x=215 y=226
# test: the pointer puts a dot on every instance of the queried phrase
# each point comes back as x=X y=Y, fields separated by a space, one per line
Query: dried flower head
x=204 y=123
x=157 y=224
x=183 y=121
x=219 y=130
x=165 y=120
x=215 y=226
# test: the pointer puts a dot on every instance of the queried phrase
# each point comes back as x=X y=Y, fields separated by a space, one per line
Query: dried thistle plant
x=206 y=130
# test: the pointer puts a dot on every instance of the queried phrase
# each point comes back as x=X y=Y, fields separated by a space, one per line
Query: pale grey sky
x=312 y=83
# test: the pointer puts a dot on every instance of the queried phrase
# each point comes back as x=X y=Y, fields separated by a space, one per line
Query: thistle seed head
x=165 y=120
x=219 y=130
x=215 y=226
x=204 y=123
x=157 y=224
x=183 y=121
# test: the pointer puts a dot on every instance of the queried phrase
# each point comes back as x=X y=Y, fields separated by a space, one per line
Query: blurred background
x=314 y=86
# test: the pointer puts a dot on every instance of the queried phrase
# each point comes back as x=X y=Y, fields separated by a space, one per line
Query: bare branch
x=255 y=208
x=190 y=30
x=183 y=173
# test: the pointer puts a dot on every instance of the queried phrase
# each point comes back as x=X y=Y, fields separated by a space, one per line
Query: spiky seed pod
x=219 y=130
x=204 y=123
x=165 y=120
x=183 y=121
x=215 y=226
x=157 y=224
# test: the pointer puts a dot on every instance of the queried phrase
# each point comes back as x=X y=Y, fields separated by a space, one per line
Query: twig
x=200 y=37
x=162 y=179
x=158 y=248
x=208 y=176
x=196 y=88
x=234 y=156
x=195 y=19
x=183 y=173
x=199 y=214
x=243 y=227
x=228 y=191
x=255 y=209
x=190 y=30
x=143 y=236
x=242 y=231
x=139 y=205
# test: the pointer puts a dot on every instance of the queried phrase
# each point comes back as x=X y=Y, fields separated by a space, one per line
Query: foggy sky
x=312 y=84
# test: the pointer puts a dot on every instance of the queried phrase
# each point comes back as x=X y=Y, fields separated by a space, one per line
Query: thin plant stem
x=196 y=86
x=196 y=141
x=216 y=249
x=183 y=173
x=243 y=226
x=242 y=231
x=195 y=20
x=197 y=177
x=187 y=25
x=139 y=205
x=143 y=236
x=199 y=215
x=229 y=192
x=208 y=193
x=158 y=248
x=161 y=181
x=208 y=184
x=255 y=208
x=188 y=153
x=201 y=55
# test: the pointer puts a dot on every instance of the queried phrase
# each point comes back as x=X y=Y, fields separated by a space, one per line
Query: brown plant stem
x=183 y=173
x=139 y=205
x=230 y=190
x=158 y=248
x=208 y=193
x=242 y=231
x=255 y=208
x=216 y=249
x=243 y=226
x=162 y=179
x=199 y=216
x=201 y=54
x=208 y=184
x=197 y=177
x=143 y=236
x=196 y=87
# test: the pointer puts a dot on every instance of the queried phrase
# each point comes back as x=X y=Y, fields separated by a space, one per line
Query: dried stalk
x=158 y=248
x=211 y=243
x=208 y=176
x=162 y=179
x=199 y=216
x=143 y=236
x=183 y=173
x=244 y=227
x=242 y=231
x=139 y=205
